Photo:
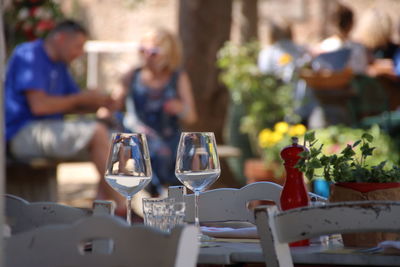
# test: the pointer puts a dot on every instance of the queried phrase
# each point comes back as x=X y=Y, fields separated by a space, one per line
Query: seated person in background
x=282 y=58
x=279 y=58
x=396 y=57
x=342 y=22
x=158 y=98
x=374 y=30
x=39 y=91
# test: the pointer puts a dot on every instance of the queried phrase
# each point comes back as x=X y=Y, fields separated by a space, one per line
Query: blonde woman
x=158 y=98
x=374 y=31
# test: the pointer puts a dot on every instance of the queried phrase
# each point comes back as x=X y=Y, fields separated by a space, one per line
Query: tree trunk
x=248 y=20
x=204 y=26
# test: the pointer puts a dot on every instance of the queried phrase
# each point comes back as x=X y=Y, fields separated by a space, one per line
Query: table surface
x=250 y=252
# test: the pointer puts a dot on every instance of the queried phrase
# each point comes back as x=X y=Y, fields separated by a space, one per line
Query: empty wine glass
x=197 y=163
x=128 y=166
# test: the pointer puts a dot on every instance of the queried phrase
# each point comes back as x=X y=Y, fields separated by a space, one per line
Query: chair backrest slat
x=22 y=215
x=230 y=204
x=276 y=229
x=64 y=245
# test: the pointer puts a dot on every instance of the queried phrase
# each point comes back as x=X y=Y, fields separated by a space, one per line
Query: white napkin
x=390 y=247
x=227 y=232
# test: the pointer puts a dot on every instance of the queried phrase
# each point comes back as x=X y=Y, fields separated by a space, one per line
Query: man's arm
x=41 y=103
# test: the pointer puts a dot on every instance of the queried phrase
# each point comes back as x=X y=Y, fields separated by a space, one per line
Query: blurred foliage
x=265 y=98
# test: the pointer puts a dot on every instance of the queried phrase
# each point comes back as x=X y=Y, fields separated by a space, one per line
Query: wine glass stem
x=129 y=210
x=196 y=208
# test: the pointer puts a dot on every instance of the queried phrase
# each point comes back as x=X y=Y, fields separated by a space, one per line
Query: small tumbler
x=163 y=213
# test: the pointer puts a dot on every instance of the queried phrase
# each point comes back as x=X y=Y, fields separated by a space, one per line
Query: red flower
x=32 y=11
x=44 y=26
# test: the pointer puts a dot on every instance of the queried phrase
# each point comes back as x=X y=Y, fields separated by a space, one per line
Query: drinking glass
x=128 y=166
x=197 y=163
x=163 y=213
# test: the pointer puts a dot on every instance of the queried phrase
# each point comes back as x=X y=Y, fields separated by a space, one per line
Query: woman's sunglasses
x=154 y=51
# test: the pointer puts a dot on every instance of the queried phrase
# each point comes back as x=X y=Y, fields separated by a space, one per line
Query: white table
x=237 y=252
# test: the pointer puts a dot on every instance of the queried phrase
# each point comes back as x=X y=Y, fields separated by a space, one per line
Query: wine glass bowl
x=197 y=163
x=128 y=168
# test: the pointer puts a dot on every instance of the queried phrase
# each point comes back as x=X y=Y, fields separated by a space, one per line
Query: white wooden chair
x=65 y=245
x=276 y=229
x=22 y=215
x=229 y=204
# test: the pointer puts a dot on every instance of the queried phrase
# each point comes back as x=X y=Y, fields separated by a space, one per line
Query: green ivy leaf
x=309 y=137
x=368 y=137
x=315 y=164
x=366 y=150
x=348 y=152
x=309 y=174
x=356 y=143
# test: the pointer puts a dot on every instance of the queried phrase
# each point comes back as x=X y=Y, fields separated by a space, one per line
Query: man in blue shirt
x=39 y=91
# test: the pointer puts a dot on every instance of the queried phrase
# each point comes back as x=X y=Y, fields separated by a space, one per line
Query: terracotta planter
x=365 y=191
x=255 y=170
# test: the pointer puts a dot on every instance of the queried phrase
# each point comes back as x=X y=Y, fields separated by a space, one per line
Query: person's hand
x=94 y=99
x=173 y=107
x=381 y=67
x=104 y=113
x=112 y=105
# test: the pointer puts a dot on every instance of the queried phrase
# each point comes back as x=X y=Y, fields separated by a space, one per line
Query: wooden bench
x=34 y=180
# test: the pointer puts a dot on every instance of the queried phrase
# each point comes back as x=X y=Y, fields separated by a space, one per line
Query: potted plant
x=266 y=98
x=355 y=177
x=258 y=101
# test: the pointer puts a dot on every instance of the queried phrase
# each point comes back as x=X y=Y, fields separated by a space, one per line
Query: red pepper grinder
x=294 y=193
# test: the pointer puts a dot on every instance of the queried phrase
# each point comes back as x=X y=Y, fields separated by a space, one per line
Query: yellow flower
x=281 y=127
x=276 y=137
x=284 y=59
x=297 y=130
x=268 y=138
x=264 y=138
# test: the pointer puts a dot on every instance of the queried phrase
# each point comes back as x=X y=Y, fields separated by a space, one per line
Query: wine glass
x=128 y=167
x=197 y=163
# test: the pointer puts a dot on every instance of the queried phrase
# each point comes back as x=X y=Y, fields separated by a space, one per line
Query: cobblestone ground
x=77 y=185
